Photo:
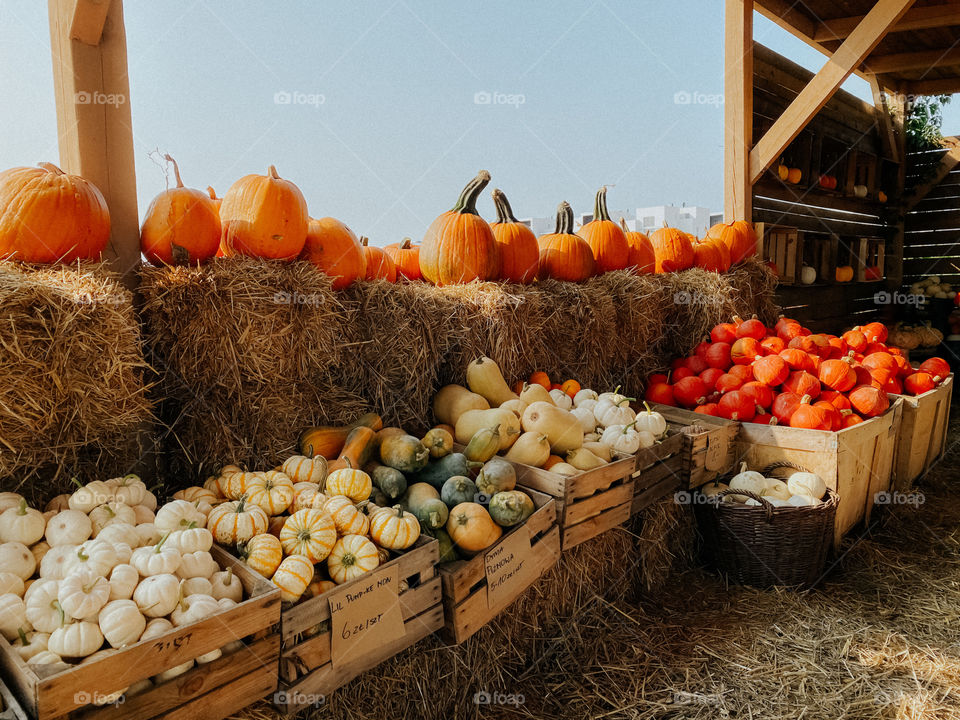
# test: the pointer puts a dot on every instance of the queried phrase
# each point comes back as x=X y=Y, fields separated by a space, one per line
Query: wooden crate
x=466 y=595
x=214 y=690
x=659 y=471
x=308 y=672
x=783 y=246
x=10 y=707
x=821 y=253
x=856 y=462
x=868 y=252
x=922 y=439
x=709 y=443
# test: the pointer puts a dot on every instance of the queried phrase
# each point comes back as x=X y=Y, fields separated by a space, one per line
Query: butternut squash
x=517 y=406
x=600 y=450
x=583 y=459
x=328 y=440
x=561 y=427
x=531 y=448
x=484 y=378
x=452 y=401
x=473 y=420
x=533 y=392
x=356 y=450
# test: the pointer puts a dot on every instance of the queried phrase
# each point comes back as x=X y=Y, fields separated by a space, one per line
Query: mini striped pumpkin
x=351 y=557
x=292 y=577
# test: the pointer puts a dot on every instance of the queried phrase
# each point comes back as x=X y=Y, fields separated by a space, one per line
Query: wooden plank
x=813 y=222
x=860 y=209
x=94 y=123
x=603 y=522
x=884 y=112
x=89 y=17
x=830 y=123
x=922 y=437
x=918 y=18
x=948 y=162
x=10 y=707
x=915 y=60
x=838 y=68
x=227 y=700
x=653 y=494
x=737 y=109
x=934 y=86
x=913 y=267
x=587 y=508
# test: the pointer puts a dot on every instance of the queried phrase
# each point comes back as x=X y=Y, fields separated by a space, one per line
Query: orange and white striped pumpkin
x=307 y=495
x=233 y=484
x=197 y=494
x=394 y=528
x=304 y=469
x=355 y=484
x=348 y=519
x=311 y=533
x=319 y=586
x=236 y=521
x=351 y=557
x=272 y=490
x=262 y=553
x=292 y=577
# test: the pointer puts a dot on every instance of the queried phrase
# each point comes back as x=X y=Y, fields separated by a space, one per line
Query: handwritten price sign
x=508 y=566
x=365 y=615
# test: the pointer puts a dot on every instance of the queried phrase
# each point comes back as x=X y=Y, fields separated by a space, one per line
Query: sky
x=381 y=110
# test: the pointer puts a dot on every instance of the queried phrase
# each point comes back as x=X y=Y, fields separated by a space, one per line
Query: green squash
x=510 y=507
x=483 y=445
x=448 y=550
x=497 y=475
x=404 y=453
x=439 y=471
x=432 y=513
x=390 y=480
x=379 y=498
x=458 y=489
x=416 y=495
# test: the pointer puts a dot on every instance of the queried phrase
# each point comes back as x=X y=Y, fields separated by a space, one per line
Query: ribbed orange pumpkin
x=182 y=225
x=333 y=248
x=516 y=243
x=672 y=249
x=459 y=245
x=379 y=265
x=707 y=255
x=605 y=238
x=264 y=216
x=406 y=258
x=738 y=236
x=47 y=215
x=641 y=257
x=563 y=255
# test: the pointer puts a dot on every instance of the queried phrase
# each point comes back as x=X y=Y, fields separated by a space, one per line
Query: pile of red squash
x=788 y=375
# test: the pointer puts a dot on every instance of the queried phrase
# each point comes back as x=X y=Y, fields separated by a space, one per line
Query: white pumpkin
x=802 y=500
x=624 y=439
x=124 y=552
x=807 y=275
x=197 y=564
x=129 y=489
x=110 y=513
x=120 y=533
x=10 y=500
x=777 y=502
x=91 y=495
x=190 y=540
x=583 y=395
x=22 y=524
x=172 y=673
x=29 y=644
x=139 y=687
x=608 y=412
x=588 y=404
x=226 y=603
x=68 y=527
x=561 y=399
x=11 y=583
x=156 y=627
x=95 y=555
x=156 y=559
x=148 y=533
x=76 y=640
x=651 y=421
x=13 y=616
x=748 y=480
x=588 y=423
x=43 y=607
x=157 y=595
x=143 y=514
x=123 y=581
x=807 y=483
x=209 y=657
x=178 y=515
x=40 y=551
x=196 y=586
x=149 y=501
x=193 y=609
x=776 y=489
x=44 y=657
x=58 y=503
x=121 y=623
x=226 y=585
x=16 y=558
x=82 y=594
x=57 y=561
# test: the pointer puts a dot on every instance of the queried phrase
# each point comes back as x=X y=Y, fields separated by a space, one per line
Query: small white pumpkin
x=191 y=540
x=143 y=514
x=172 y=673
x=110 y=513
x=139 y=687
x=157 y=595
x=561 y=399
x=13 y=616
x=651 y=421
x=807 y=483
x=748 y=480
x=123 y=581
x=40 y=551
x=178 y=515
x=807 y=275
x=226 y=603
x=58 y=503
x=588 y=423
x=196 y=586
x=10 y=500
x=44 y=657
x=626 y=439
x=128 y=489
x=22 y=524
x=120 y=533
x=193 y=609
x=583 y=395
x=91 y=495
x=801 y=500
x=226 y=585
x=16 y=558
x=29 y=644
x=95 y=555
x=156 y=627
x=68 y=527
x=588 y=404
x=124 y=552
x=197 y=564
x=614 y=410
x=209 y=657
x=82 y=594
x=149 y=501
x=57 y=561
x=121 y=623
x=148 y=534
x=11 y=583
x=776 y=489
x=43 y=607
x=76 y=640
x=156 y=559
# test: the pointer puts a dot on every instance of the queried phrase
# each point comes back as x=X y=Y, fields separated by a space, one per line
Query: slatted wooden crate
x=10 y=707
x=709 y=443
x=783 y=246
x=856 y=462
x=213 y=690
x=922 y=439
x=659 y=471
x=868 y=253
x=309 y=672
x=467 y=601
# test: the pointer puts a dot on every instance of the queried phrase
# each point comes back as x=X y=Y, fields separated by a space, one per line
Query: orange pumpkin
x=406 y=258
x=672 y=249
x=605 y=238
x=333 y=248
x=459 y=246
x=182 y=225
x=263 y=216
x=516 y=243
x=379 y=265
x=641 y=256
x=738 y=236
x=707 y=255
x=563 y=255
x=213 y=196
x=47 y=215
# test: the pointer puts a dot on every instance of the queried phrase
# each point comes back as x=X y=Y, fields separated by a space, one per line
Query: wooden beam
x=737 y=110
x=918 y=18
x=93 y=123
x=950 y=159
x=917 y=60
x=825 y=83
x=934 y=86
x=88 y=19
x=888 y=138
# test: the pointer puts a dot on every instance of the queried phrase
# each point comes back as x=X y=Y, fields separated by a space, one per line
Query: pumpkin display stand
x=922 y=439
x=212 y=690
x=72 y=393
x=709 y=443
x=310 y=668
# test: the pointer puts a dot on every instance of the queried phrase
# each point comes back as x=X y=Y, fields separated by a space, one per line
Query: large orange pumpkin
x=264 y=216
x=563 y=255
x=182 y=225
x=516 y=243
x=707 y=255
x=459 y=246
x=605 y=238
x=641 y=257
x=672 y=249
x=47 y=215
x=406 y=258
x=332 y=247
x=213 y=196
x=379 y=265
x=738 y=236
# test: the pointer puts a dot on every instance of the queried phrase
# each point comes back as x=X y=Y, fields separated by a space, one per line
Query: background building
x=689 y=218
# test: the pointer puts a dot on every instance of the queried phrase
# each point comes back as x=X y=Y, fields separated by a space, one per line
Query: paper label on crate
x=716 y=453
x=365 y=615
x=507 y=567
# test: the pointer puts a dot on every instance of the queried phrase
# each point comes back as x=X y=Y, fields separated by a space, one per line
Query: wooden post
x=738 y=110
x=93 y=116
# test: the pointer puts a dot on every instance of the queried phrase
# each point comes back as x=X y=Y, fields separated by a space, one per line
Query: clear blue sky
x=387 y=128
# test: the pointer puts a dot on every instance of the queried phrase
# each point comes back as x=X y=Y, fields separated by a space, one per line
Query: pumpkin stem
x=365 y=241
x=211 y=192
x=22 y=510
x=504 y=211
x=272 y=173
x=159 y=545
x=176 y=169
x=564 y=219
x=623 y=225
x=228 y=578
x=50 y=167
x=467 y=203
x=600 y=205
x=76 y=481
x=406 y=244
x=23 y=636
x=647 y=406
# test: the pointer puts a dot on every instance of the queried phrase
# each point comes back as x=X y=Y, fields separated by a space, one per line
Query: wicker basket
x=768 y=545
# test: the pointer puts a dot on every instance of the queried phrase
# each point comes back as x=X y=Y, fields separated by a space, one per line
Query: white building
x=691 y=219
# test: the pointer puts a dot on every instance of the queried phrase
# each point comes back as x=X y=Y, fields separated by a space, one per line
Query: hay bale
x=72 y=391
